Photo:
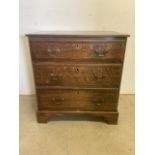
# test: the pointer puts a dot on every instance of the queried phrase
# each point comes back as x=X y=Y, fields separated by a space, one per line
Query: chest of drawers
x=77 y=73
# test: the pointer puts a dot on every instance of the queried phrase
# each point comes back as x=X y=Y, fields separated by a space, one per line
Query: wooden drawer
x=78 y=75
x=78 y=99
x=112 y=51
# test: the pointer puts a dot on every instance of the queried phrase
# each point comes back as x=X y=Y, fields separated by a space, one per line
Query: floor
x=70 y=135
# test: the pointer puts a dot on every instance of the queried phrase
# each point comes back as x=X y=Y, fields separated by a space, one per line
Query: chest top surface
x=79 y=33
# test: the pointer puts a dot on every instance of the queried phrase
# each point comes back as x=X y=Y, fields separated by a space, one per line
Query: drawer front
x=78 y=99
x=84 y=75
x=112 y=50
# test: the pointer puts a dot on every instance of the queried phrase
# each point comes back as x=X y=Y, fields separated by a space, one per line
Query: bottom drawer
x=78 y=99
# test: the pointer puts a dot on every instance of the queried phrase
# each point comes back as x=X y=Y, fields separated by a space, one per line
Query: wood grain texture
x=108 y=51
x=77 y=73
x=78 y=99
x=87 y=75
x=108 y=117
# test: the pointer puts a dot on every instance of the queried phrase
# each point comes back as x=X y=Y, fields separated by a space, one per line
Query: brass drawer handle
x=56 y=76
x=57 y=100
x=101 y=52
x=99 y=77
x=98 y=102
x=50 y=51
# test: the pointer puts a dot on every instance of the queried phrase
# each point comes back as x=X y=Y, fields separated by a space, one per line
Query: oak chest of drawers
x=77 y=72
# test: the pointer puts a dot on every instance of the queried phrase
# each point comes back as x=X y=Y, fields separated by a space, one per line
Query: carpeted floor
x=71 y=135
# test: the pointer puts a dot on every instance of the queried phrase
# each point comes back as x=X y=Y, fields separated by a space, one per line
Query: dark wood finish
x=79 y=50
x=110 y=117
x=77 y=73
x=87 y=75
x=68 y=99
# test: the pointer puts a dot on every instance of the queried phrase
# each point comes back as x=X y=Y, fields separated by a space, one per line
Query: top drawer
x=107 y=51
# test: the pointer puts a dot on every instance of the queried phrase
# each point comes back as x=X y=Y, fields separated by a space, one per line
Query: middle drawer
x=80 y=75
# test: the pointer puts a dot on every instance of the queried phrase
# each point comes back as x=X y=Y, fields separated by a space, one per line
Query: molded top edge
x=79 y=33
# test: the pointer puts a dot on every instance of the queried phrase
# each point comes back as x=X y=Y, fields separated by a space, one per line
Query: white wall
x=45 y=15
